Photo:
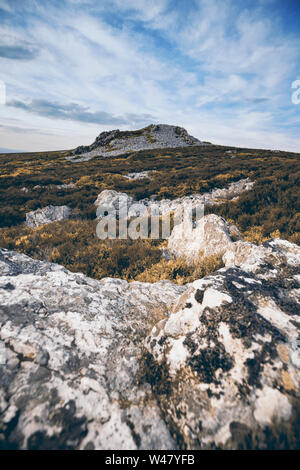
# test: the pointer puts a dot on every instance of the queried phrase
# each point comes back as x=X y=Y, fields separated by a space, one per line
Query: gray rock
x=65 y=186
x=117 y=200
x=42 y=357
x=46 y=215
x=165 y=254
x=74 y=346
x=115 y=365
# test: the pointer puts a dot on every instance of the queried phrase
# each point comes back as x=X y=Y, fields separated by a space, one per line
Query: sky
x=226 y=70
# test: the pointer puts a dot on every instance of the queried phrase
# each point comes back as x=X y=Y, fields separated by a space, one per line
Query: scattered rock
x=138 y=176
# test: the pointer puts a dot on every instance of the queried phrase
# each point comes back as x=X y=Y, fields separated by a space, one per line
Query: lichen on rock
x=115 y=365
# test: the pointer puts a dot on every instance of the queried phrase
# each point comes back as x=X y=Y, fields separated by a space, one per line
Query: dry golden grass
x=181 y=272
x=74 y=244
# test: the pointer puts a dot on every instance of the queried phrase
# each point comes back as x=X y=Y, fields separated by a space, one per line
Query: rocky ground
x=115 y=365
x=118 y=201
x=116 y=142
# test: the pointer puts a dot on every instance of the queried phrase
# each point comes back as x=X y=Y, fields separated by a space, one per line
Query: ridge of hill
x=116 y=142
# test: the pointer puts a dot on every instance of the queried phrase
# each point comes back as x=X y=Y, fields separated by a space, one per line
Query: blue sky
x=223 y=69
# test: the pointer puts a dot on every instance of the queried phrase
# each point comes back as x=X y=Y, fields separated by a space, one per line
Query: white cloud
x=223 y=75
x=145 y=10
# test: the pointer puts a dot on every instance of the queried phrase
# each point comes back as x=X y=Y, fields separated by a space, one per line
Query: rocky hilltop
x=117 y=142
x=109 y=364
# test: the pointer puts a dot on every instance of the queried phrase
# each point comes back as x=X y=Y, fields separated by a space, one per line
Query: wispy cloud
x=223 y=69
x=12 y=47
x=76 y=112
x=17 y=52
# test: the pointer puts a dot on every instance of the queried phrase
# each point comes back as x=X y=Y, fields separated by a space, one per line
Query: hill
x=118 y=142
x=201 y=352
x=33 y=181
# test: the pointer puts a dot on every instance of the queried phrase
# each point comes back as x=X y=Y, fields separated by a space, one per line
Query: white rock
x=117 y=200
x=46 y=215
x=140 y=175
x=113 y=202
x=211 y=235
x=88 y=393
x=127 y=363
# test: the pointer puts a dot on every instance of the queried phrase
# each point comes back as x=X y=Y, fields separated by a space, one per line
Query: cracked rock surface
x=115 y=365
x=69 y=355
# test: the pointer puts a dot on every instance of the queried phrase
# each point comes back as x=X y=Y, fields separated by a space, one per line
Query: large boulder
x=69 y=359
x=46 y=215
x=210 y=235
x=231 y=353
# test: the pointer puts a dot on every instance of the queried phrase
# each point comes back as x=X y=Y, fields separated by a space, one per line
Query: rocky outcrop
x=231 y=353
x=46 y=215
x=118 y=142
x=70 y=372
x=116 y=365
x=116 y=200
x=212 y=235
x=103 y=139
